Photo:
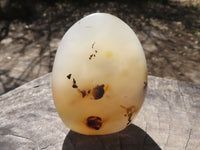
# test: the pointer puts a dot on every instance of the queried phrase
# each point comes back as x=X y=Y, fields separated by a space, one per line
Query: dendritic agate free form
x=99 y=76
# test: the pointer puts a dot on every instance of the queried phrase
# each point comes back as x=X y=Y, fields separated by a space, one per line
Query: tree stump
x=170 y=116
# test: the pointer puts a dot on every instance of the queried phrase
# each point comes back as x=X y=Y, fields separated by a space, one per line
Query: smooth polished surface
x=99 y=77
x=170 y=115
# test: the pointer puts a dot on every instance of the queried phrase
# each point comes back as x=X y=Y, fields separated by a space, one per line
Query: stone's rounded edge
x=75 y=70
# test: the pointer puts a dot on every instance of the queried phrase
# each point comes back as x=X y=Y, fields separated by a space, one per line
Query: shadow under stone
x=131 y=138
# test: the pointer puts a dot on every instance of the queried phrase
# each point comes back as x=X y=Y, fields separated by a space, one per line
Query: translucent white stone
x=99 y=76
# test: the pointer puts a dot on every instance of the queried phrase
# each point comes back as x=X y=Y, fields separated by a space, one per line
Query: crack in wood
x=186 y=145
x=45 y=147
x=29 y=139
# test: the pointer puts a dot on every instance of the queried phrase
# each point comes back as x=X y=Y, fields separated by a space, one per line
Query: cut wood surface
x=170 y=115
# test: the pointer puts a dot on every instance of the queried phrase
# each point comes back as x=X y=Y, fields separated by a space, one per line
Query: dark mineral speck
x=129 y=112
x=69 y=76
x=98 y=92
x=91 y=56
x=83 y=92
x=74 y=84
x=74 y=81
x=129 y=118
x=94 y=122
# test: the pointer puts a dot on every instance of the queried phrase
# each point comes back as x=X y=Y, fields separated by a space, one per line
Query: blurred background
x=30 y=31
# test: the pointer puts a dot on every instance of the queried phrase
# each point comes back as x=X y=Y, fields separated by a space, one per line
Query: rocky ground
x=170 y=35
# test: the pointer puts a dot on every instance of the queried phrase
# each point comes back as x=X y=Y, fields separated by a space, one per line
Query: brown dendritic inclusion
x=74 y=84
x=83 y=92
x=69 y=76
x=94 y=53
x=129 y=112
x=94 y=122
x=98 y=91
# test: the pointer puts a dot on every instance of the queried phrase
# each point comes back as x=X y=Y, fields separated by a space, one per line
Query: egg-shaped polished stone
x=99 y=78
